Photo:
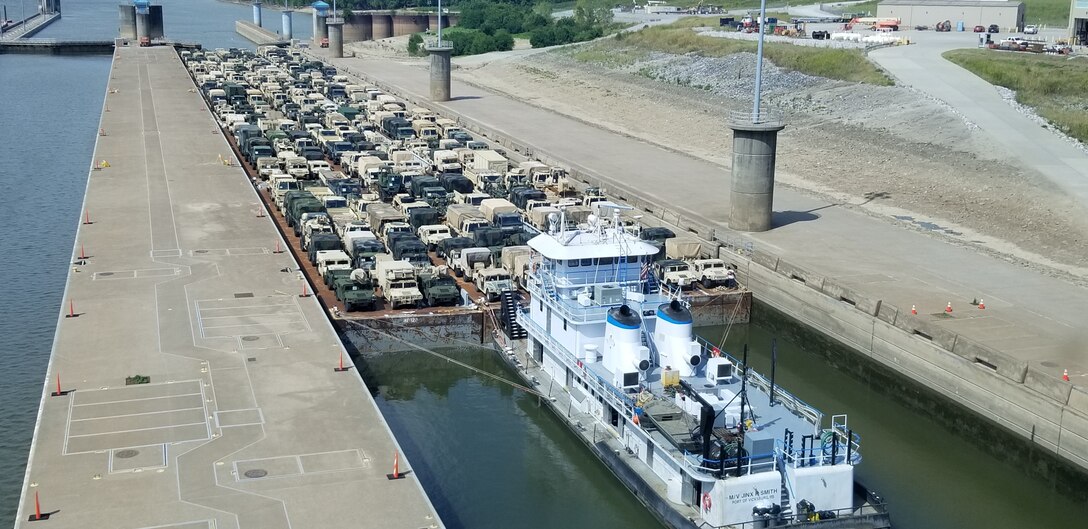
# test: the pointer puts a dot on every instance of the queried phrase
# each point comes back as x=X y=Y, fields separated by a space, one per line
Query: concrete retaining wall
x=1046 y=412
x=256 y=34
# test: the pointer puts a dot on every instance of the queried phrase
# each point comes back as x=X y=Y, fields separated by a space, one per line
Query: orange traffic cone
x=981 y=304
x=305 y=292
x=341 y=368
x=1065 y=375
x=948 y=309
x=38 y=510
x=914 y=310
x=71 y=310
x=396 y=467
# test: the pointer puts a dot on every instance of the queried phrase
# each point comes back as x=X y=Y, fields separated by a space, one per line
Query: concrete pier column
x=321 y=30
x=257 y=13
x=287 y=30
x=336 y=37
x=755 y=141
x=127 y=24
x=440 y=71
x=143 y=18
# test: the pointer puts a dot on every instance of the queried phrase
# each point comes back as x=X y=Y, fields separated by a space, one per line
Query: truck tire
x=707 y=284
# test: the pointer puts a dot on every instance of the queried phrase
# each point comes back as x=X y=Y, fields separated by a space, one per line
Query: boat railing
x=783 y=397
x=610 y=393
x=541 y=286
x=764 y=463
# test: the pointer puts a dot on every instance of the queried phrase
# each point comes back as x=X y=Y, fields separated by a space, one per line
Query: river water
x=487 y=455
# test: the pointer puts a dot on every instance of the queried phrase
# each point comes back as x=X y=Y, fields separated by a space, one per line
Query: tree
x=593 y=12
x=414 y=44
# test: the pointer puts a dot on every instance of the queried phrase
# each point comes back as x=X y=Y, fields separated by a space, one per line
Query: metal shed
x=1009 y=16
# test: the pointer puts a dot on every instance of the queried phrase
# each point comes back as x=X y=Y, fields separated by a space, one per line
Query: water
x=932 y=478
x=489 y=455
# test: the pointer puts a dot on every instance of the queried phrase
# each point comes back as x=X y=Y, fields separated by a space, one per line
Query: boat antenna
x=774 y=361
x=743 y=386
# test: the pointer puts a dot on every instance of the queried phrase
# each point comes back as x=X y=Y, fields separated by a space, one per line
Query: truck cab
x=433 y=234
x=674 y=273
x=332 y=260
x=470 y=261
x=491 y=282
x=710 y=273
x=440 y=290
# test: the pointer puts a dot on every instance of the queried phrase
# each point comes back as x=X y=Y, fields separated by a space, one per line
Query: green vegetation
x=490 y=25
x=415 y=47
x=845 y=65
x=474 y=41
x=1056 y=87
x=1051 y=12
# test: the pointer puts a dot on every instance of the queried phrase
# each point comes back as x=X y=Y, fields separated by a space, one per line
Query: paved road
x=921 y=66
x=243 y=423
x=1031 y=316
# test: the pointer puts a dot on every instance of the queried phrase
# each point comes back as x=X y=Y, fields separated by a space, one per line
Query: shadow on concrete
x=464 y=98
x=785 y=218
x=874 y=195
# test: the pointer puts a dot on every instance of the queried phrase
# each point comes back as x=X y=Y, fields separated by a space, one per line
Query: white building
x=1008 y=15
x=1078 y=21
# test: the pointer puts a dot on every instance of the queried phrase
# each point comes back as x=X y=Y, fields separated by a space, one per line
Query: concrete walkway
x=242 y=422
x=921 y=66
x=1031 y=316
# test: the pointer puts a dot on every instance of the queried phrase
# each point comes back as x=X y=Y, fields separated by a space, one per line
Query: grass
x=1056 y=87
x=844 y=65
x=1050 y=12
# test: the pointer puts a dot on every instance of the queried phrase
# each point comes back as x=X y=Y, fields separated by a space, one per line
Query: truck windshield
x=510 y=220
x=405 y=133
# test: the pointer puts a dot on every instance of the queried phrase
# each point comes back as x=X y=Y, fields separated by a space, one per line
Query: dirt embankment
x=890 y=151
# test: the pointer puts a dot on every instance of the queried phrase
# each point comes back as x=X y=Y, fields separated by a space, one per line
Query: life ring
x=706 y=501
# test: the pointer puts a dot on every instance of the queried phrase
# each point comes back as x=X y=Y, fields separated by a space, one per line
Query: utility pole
x=759 y=59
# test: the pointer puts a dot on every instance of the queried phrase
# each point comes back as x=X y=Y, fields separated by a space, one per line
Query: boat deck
x=197 y=388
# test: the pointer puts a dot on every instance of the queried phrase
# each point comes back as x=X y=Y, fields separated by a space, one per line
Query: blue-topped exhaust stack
x=321 y=14
x=257 y=13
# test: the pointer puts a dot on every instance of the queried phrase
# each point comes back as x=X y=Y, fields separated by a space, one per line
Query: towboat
x=709 y=442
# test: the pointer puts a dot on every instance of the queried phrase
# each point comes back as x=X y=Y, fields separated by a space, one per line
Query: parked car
x=980 y=29
x=1031 y=29
x=993 y=29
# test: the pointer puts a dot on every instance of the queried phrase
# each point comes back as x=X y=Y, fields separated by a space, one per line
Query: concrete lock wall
x=993 y=385
x=357 y=27
x=382 y=26
x=408 y=24
x=997 y=390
